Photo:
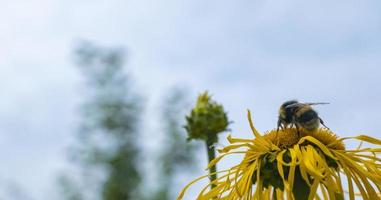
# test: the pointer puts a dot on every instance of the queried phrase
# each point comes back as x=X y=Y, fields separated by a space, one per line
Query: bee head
x=288 y=103
x=285 y=112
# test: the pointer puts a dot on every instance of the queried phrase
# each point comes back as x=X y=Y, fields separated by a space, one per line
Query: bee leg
x=322 y=123
x=277 y=130
x=279 y=125
x=297 y=129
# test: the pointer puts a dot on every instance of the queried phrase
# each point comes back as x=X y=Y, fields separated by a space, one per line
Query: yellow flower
x=280 y=165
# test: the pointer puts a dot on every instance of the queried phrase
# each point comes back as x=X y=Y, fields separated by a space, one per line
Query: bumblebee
x=293 y=113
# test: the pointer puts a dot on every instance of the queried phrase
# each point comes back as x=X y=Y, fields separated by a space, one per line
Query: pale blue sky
x=248 y=54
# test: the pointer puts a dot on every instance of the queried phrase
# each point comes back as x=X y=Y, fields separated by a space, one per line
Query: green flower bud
x=206 y=119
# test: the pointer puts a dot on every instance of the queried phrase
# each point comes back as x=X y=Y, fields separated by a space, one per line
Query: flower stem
x=300 y=189
x=211 y=155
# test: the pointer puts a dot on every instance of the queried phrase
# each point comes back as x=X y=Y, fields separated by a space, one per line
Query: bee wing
x=310 y=104
x=317 y=103
x=294 y=105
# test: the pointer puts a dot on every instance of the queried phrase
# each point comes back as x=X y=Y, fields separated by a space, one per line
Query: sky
x=248 y=54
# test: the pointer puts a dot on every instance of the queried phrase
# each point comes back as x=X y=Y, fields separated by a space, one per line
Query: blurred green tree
x=176 y=154
x=107 y=149
x=69 y=189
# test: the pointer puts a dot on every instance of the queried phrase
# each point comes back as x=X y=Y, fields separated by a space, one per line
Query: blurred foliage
x=107 y=153
x=177 y=155
x=206 y=120
x=107 y=150
x=69 y=189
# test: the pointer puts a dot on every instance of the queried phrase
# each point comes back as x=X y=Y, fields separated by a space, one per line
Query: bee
x=293 y=113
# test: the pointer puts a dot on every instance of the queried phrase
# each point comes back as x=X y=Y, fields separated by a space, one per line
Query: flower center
x=288 y=137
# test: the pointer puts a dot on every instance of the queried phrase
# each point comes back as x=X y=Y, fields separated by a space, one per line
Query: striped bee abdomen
x=308 y=119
